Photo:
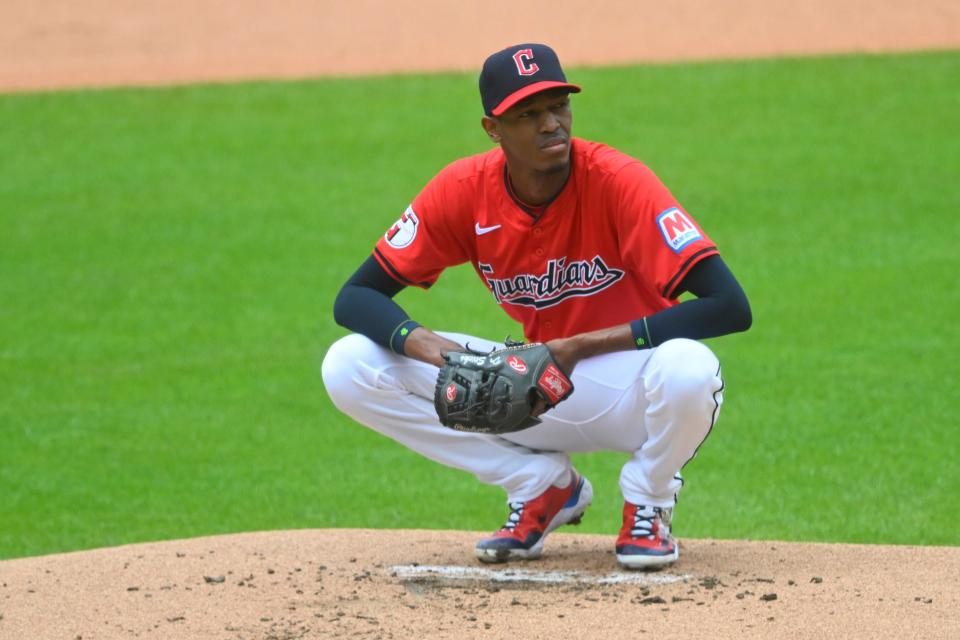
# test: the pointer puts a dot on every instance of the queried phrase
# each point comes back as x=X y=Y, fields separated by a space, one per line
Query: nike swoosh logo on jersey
x=482 y=230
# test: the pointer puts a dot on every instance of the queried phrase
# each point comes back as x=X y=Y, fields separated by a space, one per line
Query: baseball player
x=586 y=248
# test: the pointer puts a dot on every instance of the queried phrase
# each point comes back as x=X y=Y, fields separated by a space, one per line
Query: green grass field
x=169 y=259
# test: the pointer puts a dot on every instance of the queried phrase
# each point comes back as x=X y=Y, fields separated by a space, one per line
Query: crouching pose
x=586 y=248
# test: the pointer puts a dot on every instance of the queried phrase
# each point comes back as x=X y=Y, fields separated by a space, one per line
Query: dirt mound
x=403 y=584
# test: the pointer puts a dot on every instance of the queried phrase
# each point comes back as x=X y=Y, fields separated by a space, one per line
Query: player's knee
x=340 y=369
x=688 y=368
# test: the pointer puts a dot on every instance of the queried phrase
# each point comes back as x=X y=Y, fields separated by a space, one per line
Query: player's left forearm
x=569 y=351
x=721 y=307
x=697 y=319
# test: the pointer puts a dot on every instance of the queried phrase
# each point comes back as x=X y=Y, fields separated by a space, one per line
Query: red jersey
x=610 y=248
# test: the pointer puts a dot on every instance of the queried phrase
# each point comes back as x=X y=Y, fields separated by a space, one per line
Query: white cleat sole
x=649 y=562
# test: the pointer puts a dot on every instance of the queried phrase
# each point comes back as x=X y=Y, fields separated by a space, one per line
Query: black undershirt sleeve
x=365 y=305
x=720 y=307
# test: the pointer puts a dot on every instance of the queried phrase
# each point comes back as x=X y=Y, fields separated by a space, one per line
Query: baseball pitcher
x=589 y=251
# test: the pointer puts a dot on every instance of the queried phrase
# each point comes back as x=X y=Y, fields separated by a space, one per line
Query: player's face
x=535 y=132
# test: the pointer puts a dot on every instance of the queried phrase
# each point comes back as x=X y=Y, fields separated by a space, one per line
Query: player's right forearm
x=371 y=313
x=427 y=346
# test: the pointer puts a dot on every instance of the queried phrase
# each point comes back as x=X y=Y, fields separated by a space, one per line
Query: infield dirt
x=403 y=584
x=426 y=584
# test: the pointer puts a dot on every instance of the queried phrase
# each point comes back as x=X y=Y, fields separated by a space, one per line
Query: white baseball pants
x=657 y=405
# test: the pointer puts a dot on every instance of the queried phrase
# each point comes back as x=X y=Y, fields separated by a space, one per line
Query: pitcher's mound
x=336 y=583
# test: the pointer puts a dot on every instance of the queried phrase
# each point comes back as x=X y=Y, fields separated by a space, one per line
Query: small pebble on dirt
x=816 y=579
x=214 y=579
x=768 y=597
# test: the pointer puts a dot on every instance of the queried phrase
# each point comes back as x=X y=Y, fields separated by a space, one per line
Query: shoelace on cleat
x=644 y=525
x=516 y=510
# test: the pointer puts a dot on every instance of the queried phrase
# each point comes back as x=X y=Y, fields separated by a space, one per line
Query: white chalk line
x=440 y=572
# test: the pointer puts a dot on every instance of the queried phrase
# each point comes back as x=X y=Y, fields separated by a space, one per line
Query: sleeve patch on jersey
x=404 y=230
x=677 y=229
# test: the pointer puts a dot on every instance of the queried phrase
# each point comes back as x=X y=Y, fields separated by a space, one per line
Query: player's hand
x=566 y=359
x=565 y=353
x=539 y=407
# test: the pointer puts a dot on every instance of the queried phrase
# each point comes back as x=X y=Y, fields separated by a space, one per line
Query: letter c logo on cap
x=524 y=61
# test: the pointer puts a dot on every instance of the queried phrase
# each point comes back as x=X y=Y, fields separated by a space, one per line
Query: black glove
x=496 y=392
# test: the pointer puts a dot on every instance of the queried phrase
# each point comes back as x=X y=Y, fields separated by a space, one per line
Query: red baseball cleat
x=645 y=541
x=529 y=522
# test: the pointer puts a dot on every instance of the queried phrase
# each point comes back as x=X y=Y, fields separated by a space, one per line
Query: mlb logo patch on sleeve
x=677 y=229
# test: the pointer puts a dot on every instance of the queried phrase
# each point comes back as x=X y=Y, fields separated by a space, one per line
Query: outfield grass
x=168 y=261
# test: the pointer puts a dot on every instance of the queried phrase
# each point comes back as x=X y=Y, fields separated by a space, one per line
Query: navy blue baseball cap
x=510 y=75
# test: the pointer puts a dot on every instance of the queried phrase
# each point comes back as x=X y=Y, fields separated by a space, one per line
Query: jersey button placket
x=537 y=234
x=539 y=252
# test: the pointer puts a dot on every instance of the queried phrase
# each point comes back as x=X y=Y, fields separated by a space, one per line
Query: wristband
x=641 y=334
x=399 y=335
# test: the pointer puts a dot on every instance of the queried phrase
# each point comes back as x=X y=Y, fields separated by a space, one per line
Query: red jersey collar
x=534 y=211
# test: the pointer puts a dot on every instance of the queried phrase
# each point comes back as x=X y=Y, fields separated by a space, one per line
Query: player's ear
x=492 y=127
